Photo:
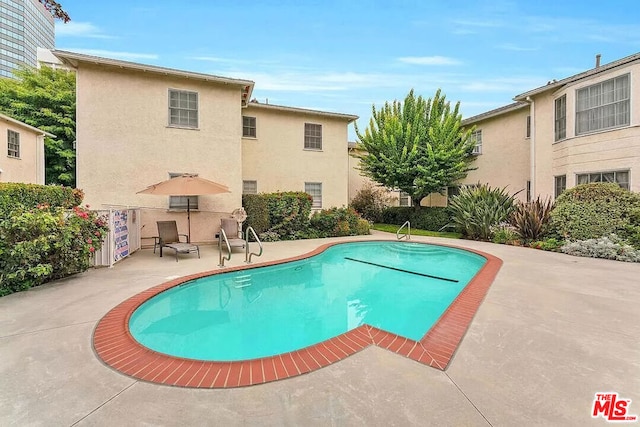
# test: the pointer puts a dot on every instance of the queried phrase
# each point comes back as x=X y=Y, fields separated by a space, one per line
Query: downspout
x=532 y=146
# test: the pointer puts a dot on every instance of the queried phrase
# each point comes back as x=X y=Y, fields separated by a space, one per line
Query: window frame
x=178 y=109
x=559 y=185
x=193 y=200
x=244 y=186
x=312 y=141
x=627 y=183
x=596 y=113
x=403 y=196
x=528 y=131
x=560 y=122
x=13 y=139
x=316 y=203
x=249 y=127
x=476 y=136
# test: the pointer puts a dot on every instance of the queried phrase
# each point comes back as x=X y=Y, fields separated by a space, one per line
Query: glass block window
x=312 y=136
x=13 y=144
x=619 y=177
x=561 y=118
x=314 y=189
x=249 y=126
x=183 y=108
x=604 y=105
x=249 y=187
x=181 y=202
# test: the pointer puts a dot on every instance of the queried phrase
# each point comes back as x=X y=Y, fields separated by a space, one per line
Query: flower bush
x=43 y=241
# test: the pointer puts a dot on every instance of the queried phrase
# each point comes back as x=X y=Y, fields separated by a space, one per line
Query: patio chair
x=169 y=238
x=234 y=234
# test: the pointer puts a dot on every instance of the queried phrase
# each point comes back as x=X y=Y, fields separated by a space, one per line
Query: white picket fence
x=123 y=238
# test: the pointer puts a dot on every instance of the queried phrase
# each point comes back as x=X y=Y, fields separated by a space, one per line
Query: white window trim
x=477 y=148
x=169 y=107
x=17 y=144
x=608 y=128
x=183 y=207
x=255 y=119
x=247 y=181
x=304 y=142
x=314 y=199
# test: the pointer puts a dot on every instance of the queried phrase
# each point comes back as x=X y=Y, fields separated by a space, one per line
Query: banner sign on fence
x=121 y=235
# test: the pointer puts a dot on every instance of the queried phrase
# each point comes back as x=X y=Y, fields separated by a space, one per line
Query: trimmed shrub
x=336 y=222
x=288 y=213
x=478 y=209
x=531 y=220
x=423 y=218
x=257 y=212
x=590 y=211
x=609 y=247
x=17 y=196
x=370 y=202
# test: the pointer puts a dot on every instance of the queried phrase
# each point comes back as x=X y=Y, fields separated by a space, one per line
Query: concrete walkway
x=552 y=331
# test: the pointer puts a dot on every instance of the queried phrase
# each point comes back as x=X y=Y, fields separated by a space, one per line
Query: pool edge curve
x=116 y=348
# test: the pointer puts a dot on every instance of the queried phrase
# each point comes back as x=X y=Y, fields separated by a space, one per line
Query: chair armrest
x=185 y=237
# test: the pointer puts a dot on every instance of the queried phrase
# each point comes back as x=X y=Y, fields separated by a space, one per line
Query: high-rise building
x=25 y=25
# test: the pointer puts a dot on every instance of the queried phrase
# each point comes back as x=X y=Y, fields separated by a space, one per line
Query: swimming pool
x=399 y=287
x=114 y=344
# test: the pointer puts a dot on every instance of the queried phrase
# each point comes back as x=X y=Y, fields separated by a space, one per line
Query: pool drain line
x=402 y=270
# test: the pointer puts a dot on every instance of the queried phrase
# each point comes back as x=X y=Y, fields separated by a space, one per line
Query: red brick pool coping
x=116 y=347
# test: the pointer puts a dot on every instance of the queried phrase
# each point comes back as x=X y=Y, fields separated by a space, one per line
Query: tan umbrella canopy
x=186 y=185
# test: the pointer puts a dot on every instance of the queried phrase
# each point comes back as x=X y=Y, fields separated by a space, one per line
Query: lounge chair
x=169 y=238
x=235 y=237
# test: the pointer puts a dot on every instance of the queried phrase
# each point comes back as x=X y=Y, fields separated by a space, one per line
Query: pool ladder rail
x=251 y=232
x=222 y=239
x=407 y=235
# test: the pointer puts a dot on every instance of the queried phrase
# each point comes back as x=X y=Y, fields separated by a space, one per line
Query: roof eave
x=349 y=117
x=26 y=126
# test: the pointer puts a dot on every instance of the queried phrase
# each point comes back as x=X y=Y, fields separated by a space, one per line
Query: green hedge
x=287 y=216
x=423 y=218
x=16 y=196
x=591 y=211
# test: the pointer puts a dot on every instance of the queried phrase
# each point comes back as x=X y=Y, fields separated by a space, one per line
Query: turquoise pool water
x=395 y=286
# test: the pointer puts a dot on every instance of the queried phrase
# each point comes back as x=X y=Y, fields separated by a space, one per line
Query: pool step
x=242 y=281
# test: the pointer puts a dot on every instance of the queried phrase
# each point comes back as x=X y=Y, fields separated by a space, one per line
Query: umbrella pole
x=188 y=221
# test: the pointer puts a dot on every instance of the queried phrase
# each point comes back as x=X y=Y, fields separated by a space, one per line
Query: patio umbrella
x=186 y=185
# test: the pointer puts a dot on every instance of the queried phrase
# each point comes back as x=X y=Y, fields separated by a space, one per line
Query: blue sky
x=344 y=56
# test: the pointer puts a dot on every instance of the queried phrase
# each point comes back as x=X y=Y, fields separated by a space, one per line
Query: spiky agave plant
x=531 y=219
x=477 y=209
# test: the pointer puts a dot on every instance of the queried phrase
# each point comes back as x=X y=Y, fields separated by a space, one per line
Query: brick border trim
x=116 y=347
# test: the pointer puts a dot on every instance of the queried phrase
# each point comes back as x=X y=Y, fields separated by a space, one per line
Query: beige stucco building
x=584 y=128
x=138 y=125
x=22 y=157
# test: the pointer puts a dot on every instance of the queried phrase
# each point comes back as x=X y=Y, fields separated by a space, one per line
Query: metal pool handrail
x=250 y=231
x=407 y=235
x=223 y=237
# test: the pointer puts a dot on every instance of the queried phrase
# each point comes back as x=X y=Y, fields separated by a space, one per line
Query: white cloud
x=80 y=29
x=429 y=60
x=113 y=53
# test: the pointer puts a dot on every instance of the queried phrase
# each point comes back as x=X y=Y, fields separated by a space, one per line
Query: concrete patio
x=552 y=331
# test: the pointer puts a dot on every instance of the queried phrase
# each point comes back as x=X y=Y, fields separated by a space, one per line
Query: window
x=315 y=190
x=561 y=118
x=477 y=138
x=405 y=200
x=528 y=134
x=312 y=136
x=13 y=144
x=249 y=126
x=619 y=177
x=603 y=105
x=452 y=191
x=249 y=187
x=182 y=202
x=183 y=108
x=529 y=191
x=560 y=184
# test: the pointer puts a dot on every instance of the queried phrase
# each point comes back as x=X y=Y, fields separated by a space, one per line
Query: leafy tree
x=418 y=146
x=46 y=98
x=56 y=9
